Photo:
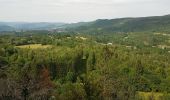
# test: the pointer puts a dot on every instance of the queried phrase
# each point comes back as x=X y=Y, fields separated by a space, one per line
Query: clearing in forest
x=34 y=46
x=151 y=95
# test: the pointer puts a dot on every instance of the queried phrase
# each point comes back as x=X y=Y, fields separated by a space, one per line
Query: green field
x=34 y=46
x=151 y=96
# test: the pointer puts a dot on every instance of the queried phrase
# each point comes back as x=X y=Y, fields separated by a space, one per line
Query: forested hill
x=141 y=24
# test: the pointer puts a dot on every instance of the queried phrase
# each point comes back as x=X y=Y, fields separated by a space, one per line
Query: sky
x=70 y=11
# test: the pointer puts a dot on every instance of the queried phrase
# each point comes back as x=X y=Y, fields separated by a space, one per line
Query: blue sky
x=79 y=10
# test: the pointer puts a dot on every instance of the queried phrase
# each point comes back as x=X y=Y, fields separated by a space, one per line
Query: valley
x=67 y=65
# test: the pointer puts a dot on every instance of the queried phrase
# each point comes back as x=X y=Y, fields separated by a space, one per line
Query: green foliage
x=142 y=24
x=86 y=67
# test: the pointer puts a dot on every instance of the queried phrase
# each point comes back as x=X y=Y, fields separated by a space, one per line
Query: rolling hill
x=155 y=23
x=140 y=24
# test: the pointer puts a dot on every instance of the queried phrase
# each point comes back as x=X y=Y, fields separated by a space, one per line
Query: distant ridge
x=6 y=28
x=139 y=24
x=28 y=26
x=130 y=24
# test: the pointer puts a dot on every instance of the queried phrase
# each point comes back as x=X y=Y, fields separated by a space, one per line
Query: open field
x=34 y=46
x=150 y=96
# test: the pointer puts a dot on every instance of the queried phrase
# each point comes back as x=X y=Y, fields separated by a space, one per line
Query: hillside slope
x=141 y=24
x=155 y=23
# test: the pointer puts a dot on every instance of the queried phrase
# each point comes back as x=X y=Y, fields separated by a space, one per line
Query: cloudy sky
x=79 y=10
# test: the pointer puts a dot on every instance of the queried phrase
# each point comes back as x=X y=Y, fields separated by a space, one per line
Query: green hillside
x=155 y=23
x=141 y=24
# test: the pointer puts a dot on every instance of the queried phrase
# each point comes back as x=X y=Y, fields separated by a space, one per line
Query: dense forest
x=45 y=65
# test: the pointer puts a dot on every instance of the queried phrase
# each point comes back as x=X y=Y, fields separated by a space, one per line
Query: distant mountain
x=6 y=28
x=154 y=23
x=141 y=24
x=28 y=26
